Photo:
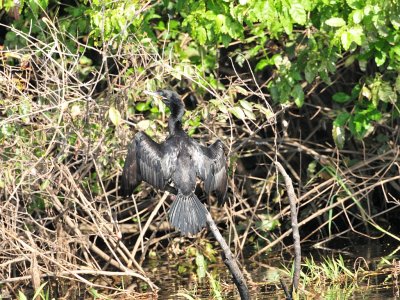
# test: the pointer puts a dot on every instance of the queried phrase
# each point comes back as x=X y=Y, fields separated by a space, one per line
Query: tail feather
x=187 y=214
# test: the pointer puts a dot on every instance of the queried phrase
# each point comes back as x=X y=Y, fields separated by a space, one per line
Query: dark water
x=378 y=282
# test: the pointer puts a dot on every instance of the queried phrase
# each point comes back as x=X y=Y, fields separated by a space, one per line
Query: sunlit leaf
x=366 y=92
x=249 y=114
x=356 y=34
x=201 y=265
x=346 y=40
x=335 y=22
x=386 y=93
x=298 y=13
x=201 y=35
x=21 y=296
x=143 y=125
x=355 y=4
x=358 y=16
x=241 y=90
x=246 y=105
x=237 y=112
x=380 y=58
x=222 y=108
x=114 y=115
x=339 y=137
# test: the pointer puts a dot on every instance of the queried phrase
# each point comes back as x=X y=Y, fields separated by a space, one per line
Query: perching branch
x=295 y=226
x=229 y=259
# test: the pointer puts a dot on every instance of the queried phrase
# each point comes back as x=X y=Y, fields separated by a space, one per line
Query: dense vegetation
x=313 y=84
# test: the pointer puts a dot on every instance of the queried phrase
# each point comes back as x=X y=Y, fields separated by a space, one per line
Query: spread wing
x=210 y=163
x=130 y=174
x=145 y=161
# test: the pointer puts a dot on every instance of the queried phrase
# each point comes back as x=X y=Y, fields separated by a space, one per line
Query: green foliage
x=39 y=293
x=315 y=36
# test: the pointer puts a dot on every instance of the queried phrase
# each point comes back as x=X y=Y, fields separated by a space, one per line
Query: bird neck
x=174 y=126
x=175 y=119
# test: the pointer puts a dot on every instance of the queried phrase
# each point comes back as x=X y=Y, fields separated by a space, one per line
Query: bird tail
x=188 y=214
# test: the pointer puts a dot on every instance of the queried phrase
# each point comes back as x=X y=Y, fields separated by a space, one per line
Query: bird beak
x=157 y=96
x=153 y=94
x=158 y=100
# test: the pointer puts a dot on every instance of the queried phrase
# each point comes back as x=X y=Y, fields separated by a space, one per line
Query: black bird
x=179 y=160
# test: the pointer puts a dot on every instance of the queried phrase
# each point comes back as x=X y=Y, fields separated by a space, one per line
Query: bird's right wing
x=144 y=162
x=211 y=168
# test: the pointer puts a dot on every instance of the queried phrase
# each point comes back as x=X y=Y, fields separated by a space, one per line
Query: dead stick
x=229 y=260
x=295 y=226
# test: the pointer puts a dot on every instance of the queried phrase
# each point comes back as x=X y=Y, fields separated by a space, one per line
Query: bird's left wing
x=130 y=174
x=210 y=163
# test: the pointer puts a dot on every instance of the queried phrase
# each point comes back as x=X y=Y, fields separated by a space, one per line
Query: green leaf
x=143 y=125
x=201 y=35
x=142 y=106
x=310 y=72
x=249 y=114
x=265 y=111
x=397 y=84
x=355 y=4
x=246 y=105
x=358 y=16
x=237 y=112
x=242 y=91
x=341 y=119
x=366 y=92
x=380 y=58
x=341 y=97
x=223 y=108
x=298 y=13
x=356 y=34
x=346 y=39
x=298 y=95
x=262 y=64
x=220 y=23
x=386 y=93
x=335 y=22
x=21 y=296
x=201 y=265
x=114 y=116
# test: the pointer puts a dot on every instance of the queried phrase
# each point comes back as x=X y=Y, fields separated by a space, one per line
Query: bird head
x=176 y=106
x=169 y=98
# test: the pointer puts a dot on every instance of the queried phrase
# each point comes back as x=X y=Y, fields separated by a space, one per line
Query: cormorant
x=179 y=160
